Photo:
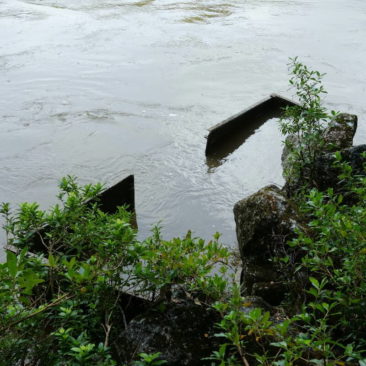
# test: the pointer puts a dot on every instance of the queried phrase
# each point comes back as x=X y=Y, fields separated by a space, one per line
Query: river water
x=106 y=88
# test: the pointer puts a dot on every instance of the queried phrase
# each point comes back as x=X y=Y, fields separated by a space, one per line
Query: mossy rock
x=183 y=332
x=265 y=222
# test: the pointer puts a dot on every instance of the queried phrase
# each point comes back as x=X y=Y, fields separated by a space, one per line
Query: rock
x=277 y=314
x=354 y=157
x=265 y=221
x=338 y=136
x=327 y=174
x=286 y=156
x=273 y=292
x=183 y=333
x=340 y=132
x=253 y=273
x=252 y=302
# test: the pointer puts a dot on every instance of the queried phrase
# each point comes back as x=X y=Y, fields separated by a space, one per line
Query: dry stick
x=243 y=358
x=107 y=327
x=123 y=317
x=56 y=302
x=42 y=241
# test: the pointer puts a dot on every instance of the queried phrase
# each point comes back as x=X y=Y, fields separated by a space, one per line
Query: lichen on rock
x=265 y=221
x=340 y=132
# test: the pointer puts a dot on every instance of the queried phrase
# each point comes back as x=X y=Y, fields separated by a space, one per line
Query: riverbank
x=302 y=259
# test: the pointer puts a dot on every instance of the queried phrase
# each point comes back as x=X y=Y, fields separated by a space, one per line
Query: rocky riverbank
x=183 y=329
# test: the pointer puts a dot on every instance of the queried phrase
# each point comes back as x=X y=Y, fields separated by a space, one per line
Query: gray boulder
x=182 y=331
x=265 y=221
x=340 y=132
x=338 y=136
x=327 y=174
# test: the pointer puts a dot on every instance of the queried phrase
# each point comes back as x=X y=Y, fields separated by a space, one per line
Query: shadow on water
x=229 y=135
x=239 y=135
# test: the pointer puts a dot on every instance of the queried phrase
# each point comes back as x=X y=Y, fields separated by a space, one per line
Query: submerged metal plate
x=227 y=136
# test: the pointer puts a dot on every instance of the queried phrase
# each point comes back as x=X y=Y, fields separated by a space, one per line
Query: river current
x=106 y=88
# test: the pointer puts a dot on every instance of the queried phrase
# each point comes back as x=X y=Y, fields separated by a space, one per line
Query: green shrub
x=304 y=124
x=62 y=305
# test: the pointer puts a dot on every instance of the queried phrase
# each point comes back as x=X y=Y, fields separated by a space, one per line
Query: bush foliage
x=304 y=124
x=61 y=305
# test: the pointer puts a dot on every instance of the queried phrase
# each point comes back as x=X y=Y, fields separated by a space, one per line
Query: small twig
x=123 y=317
x=39 y=311
x=243 y=358
x=42 y=241
x=107 y=326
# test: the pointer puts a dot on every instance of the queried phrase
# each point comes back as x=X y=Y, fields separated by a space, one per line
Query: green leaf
x=314 y=282
x=11 y=261
x=51 y=260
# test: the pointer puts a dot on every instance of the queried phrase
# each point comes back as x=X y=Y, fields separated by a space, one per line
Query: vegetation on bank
x=325 y=318
x=61 y=306
x=325 y=310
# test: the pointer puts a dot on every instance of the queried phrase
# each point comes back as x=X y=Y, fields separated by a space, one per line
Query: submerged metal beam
x=120 y=194
x=244 y=123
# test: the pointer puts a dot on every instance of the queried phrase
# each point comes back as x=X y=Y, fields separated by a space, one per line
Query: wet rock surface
x=327 y=174
x=265 y=221
x=340 y=132
x=182 y=331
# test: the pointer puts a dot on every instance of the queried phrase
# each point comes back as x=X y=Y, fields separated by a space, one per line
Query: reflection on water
x=206 y=12
x=143 y=2
x=227 y=136
x=237 y=137
x=106 y=88
x=226 y=150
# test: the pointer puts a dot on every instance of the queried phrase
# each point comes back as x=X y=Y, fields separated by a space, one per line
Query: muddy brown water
x=106 y=88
